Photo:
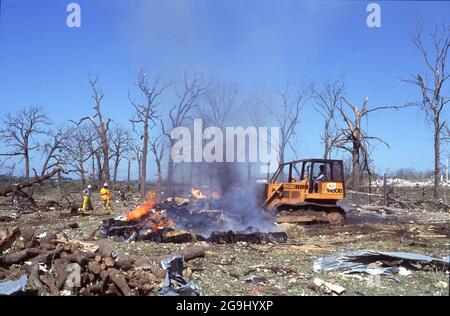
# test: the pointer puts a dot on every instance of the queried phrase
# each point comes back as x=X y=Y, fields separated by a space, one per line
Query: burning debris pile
x=143 y=222
x=53 y=264
x=205 y=218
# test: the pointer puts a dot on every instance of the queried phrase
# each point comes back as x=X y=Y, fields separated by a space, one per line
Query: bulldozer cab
x=309 y=180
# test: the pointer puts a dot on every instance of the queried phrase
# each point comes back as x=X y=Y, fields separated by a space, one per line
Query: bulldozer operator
x=321 y=176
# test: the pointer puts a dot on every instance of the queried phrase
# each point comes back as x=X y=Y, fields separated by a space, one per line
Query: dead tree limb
x=11 y=189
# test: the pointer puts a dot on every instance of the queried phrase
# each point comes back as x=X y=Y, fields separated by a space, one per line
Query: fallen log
x=51 y=286
x=119 y=280
x=48 y=257
x=105 y=250
x=20 y=257
x=109 y=262
x=253 y=238
x=7 y=237
x=6 y=219
x=113 y=290
x=94 y=267
x=76 y=257
x=124 y=264
x=60 y=266
x=104 y=275
x=89 y=290
x=191 y=253
x=26 y=184
x=33 y=276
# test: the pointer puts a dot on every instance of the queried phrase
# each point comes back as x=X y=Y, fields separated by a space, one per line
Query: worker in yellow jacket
x=87 y=203
x=105 y=196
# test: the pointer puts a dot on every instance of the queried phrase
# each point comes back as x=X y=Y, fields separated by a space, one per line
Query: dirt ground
x=288 y=269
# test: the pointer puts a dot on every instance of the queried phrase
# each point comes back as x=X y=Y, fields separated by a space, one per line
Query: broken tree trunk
x=7 y=237
x=189 y=253
x=20 y=257
x=26 y=184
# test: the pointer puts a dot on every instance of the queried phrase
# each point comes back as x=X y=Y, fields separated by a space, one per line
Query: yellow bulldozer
x=306 y=190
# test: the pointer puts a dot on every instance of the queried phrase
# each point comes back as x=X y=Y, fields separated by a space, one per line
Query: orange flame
x=198 y=194
x=161 y=223
x=144 y=208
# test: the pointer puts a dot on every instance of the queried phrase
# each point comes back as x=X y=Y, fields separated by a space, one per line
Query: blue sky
x=258 y=44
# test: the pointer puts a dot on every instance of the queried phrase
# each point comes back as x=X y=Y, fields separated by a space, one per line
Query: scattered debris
x=442 y=284
x=403 y=271
x=271 y=268
x=320 y=285
x=376 y=262
x=258 y=280
x=74 y=225
x=5 y=219
x=252 y=237
x=13 y=286
x=174 y=283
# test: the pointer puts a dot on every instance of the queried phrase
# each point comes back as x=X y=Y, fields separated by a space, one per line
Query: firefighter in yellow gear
x=105 y=196
x=87 y=202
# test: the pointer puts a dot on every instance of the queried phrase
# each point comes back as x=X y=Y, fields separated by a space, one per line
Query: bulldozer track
x=309 y=212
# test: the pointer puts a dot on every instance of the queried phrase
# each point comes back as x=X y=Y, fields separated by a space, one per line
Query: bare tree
x=327 y=101
x=54 y=149
x=137 y=151
x=193 y=88
x=221 y=100
x=18 y=134
x=145 y=115
x=158 y=147
x=95 y=149
x=352 y=138
x=433 y=100
x=120 y=145
x=79 y=150
x=101 y=126
x=286 y=112
x=130 y=158
x=10 y=170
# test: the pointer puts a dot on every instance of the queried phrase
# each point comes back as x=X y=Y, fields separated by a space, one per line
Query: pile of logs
x=58 y=266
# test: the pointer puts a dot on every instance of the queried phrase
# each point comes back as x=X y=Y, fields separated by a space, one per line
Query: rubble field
x=266 y=268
